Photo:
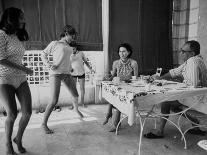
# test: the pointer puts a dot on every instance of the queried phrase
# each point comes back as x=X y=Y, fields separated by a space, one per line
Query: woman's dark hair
x=128 y=48
x=194 y=46
x=68 y=29
x=74 y=44
x=10 y=23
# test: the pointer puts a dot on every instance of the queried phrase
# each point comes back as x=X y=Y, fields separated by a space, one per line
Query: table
x=129 y=97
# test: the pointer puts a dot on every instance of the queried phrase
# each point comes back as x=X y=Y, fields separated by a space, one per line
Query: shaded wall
x=156 y=34
x=124 y=26
x=45 y=19
x=146 y=25
x=202 y=27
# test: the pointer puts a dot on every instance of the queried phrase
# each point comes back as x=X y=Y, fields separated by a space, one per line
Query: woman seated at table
x=124 y=68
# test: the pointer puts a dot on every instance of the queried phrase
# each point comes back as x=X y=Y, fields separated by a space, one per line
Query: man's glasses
x=183 y=51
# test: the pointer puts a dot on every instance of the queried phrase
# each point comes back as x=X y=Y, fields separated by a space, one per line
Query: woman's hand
x=106 y=78
x=92 y=71
x=53 y=67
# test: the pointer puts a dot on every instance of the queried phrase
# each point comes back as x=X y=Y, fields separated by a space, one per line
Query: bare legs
x=82 y=90
x=70 y=84
x=81 y=82
x=55 y=82
x=166 y=107
x=7 y=96
x=116 y=117
x=108 y=114
x=116 y=120
x=24 y=97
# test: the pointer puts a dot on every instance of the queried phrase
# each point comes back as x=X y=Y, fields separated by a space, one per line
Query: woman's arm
x=10 y=64
x=88 y=65
x=114 y=71
x=135 y=68
x=166 y=76
x=45 y=59
x=46 y=52
x=86 y=62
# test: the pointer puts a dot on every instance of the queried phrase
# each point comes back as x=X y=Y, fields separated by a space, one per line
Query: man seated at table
x=194 y=73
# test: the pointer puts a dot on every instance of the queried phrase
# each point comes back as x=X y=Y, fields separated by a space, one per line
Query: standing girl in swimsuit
x=13 y=79
x=78 y=60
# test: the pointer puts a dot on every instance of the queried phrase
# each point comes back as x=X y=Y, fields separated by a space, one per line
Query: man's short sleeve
x=177 y=71
x=193 y=72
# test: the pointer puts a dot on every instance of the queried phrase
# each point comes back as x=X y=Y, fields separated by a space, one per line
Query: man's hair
x=68 y=29
x=75 y=44
x=194 y=46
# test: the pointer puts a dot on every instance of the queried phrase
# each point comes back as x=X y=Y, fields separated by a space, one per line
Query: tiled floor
x=74 y=136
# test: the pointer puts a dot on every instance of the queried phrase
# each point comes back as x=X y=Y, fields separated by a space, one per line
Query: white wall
x=41 y=91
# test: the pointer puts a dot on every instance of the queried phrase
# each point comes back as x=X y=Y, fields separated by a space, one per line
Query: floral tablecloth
x=127 y=96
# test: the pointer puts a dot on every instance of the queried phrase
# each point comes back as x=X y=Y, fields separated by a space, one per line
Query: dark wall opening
x=46 y=18
x=146 y=25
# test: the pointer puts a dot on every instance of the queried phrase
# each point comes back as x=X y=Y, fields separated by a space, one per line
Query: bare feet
x=19 y=145
x=80 y=114
x=112 y=129
x=84 y=106
x=14 y=153
x=71 y=107
x=105 y=121
x=107 y=117
x=47 y=130
x=10 y=149
x=154 y=134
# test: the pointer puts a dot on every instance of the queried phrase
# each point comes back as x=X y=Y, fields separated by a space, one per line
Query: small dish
x=137 y=84
x=181 y=88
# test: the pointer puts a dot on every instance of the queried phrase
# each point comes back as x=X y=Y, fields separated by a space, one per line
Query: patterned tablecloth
x=128 y=96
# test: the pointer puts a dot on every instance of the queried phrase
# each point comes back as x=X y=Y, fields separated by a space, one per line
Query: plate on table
x=182 y=85
x=180 y=88
x=136 y=84
x=172 y=82
x=165 y=82
x=133 y=80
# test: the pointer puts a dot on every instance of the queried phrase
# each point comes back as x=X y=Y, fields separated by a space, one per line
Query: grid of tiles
x=32 y=60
